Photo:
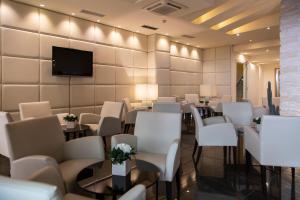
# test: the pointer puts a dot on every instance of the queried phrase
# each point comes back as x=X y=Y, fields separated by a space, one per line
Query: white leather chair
x=192 y=98
x=224 y=99
x=166 y=107
x=166 y=99
x=36 y=143
x=4 y=119
x=239 y=113
x=108 y=123
x=212 y=132
x=157 y=138
x=138 y=192
x=38 y=109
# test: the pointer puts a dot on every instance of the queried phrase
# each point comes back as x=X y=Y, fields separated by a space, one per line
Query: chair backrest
x=27 y=190
x=4 y=119
x=166 y=99
x=240 y=113
x=156 y=131
x=167 y=107
x=192 y=98
x=112 y=109
x=127 y=105
x=138 y=192
x=198 y=120
x=39 y=136
x=35 y=110
x=279 y=141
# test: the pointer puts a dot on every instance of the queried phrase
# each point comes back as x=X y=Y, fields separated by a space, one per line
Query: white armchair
x=161 y=149
x=166 y=107
x=166 y=99
x=4 y=119
x=212 y=132
x=40 y=142
x=38 y=109
x=138 y=192
x=109 y=122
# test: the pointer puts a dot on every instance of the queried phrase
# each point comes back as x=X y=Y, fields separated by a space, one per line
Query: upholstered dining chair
x=166 y=107
x=276 y=144
x=164 y=150
x=38 y=109
x=36 y=143
x=108 y=123
x=212 y=132
x=4 y=119
x=166 y=99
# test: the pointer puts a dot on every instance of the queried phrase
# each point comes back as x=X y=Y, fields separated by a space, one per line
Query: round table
x=97 y=179
x=80 y=129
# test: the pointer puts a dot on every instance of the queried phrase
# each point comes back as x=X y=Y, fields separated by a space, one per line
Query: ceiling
x=211 y=22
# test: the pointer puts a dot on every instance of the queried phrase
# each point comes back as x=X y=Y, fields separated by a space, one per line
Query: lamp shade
x=146 y=92
x=205 y=90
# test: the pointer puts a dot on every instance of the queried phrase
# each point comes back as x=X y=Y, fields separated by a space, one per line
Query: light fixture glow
x=268 y=28
x=73 y=14
x=267 y=50
x=250 y=40
x=187 y=191
x=42 y=5
x=98 y=20
x=238 y=35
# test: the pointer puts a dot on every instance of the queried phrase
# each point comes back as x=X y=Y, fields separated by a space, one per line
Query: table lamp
x=146 y=93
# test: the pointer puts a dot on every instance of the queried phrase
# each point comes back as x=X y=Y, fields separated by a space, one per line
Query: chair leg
x=169 y=190
x=293 y=173
x=178 y=183
x=229 y=156
x=198 y=155
x=104 y=141
x=225 y=154
x=263 y=178
x=195 y=148
x=234 y=156
x=248 y=162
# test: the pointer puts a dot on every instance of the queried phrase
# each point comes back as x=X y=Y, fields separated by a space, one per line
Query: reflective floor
x=215 y=181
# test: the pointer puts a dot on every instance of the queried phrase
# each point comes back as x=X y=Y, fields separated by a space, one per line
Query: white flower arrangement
x=121 y=152
x=70 y=118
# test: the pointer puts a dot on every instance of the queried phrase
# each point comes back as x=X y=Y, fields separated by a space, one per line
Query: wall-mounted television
x=74 y=62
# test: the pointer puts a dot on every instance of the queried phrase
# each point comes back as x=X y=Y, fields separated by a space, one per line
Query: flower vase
x=71 y=124
x=121 y=169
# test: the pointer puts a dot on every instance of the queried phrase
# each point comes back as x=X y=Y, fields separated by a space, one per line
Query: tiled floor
x=215 y=181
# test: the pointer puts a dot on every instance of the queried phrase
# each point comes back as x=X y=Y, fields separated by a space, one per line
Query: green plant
x=257 y=120
x=120 y=153
x=70 y=118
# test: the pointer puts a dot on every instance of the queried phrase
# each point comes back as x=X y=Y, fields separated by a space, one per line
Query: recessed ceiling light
x=137 y=31
x=98 y=20
x=187 y=191
x=42 y=5
x=73 y=14
x=119 y=26
x=167 y=33
x=268 y=28
x=237 y=34
x=267 y=50
x=198 y=46
x=176 y=40
x=188 y=43
x=250 y=40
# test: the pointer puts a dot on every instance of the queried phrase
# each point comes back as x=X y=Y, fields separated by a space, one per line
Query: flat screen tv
x=66 y=61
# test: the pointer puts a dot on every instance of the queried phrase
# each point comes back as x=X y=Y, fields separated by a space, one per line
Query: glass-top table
x=97 y=179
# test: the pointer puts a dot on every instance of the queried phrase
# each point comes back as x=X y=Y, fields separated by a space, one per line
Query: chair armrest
x=61 y=116
x=222 y=134
x=109 y=126
x=131 y=117
x=214 y=120
x=252 y=142
x=49 y=175
x=84 y=148
x=89 y=118
x=22 y=168
x=124 y=138
x=172 y=160
x=227 y=119
x=138 y=192
x=259 y=111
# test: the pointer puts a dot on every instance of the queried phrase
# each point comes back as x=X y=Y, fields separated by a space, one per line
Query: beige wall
x=27 y=35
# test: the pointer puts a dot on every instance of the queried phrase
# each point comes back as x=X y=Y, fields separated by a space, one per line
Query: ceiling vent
x=188 y=36
x=150 y=27
x=92 y=13
x=164 y=7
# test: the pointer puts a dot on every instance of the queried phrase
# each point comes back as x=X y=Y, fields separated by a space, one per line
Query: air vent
x=150 y=27
x=92 y=13
x=188 y=36
x=164 y=7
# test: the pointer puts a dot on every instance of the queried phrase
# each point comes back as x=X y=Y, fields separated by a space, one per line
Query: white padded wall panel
x=78 y=110
x=81 y=80
x=140 y=59
x=46 y=74
x=151 y=60
x=180 y=91
x=19 y=43
x=162 y=43
x=123 y=91
x=177 y=64
x=104 y=55
x=179 y=78
x=223 y=52
x=209 y=54
x=57 y=95
x=223 y=90
x=209 y=78
x=124 y=76
x=82 y=29
x=174 y=49
x=209 y=66
x=193 y=66
x=162 y=60
x=104 y=75
x=60 y=110
x=19 y=15
x=46 y=43
x=104 y=34
x=151 y=43
x=140 y=42
x=104 y=93
x=123 y=38
x=82 y=95
x=159 y=76
x=54 y=23
x=222 y=65
x=85 y=46
x=12 y=95
x=163 y=91
x=222 y=78
x=140 y=76
x=124 y=57
x=20 y=70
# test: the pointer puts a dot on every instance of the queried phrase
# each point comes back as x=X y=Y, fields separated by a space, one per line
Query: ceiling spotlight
x=250 y=40
x=137 y=31
x=98 y=20
x=187 y=191
x=167 y=33
x=176 y=40
x=267 y=50
x=42 y=5
x=188 y=44
x=268 y=28
x=73 y=14
x=237 y=34
x=119 y=26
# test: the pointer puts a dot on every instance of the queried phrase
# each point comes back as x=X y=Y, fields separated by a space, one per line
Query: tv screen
x=66 y=61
